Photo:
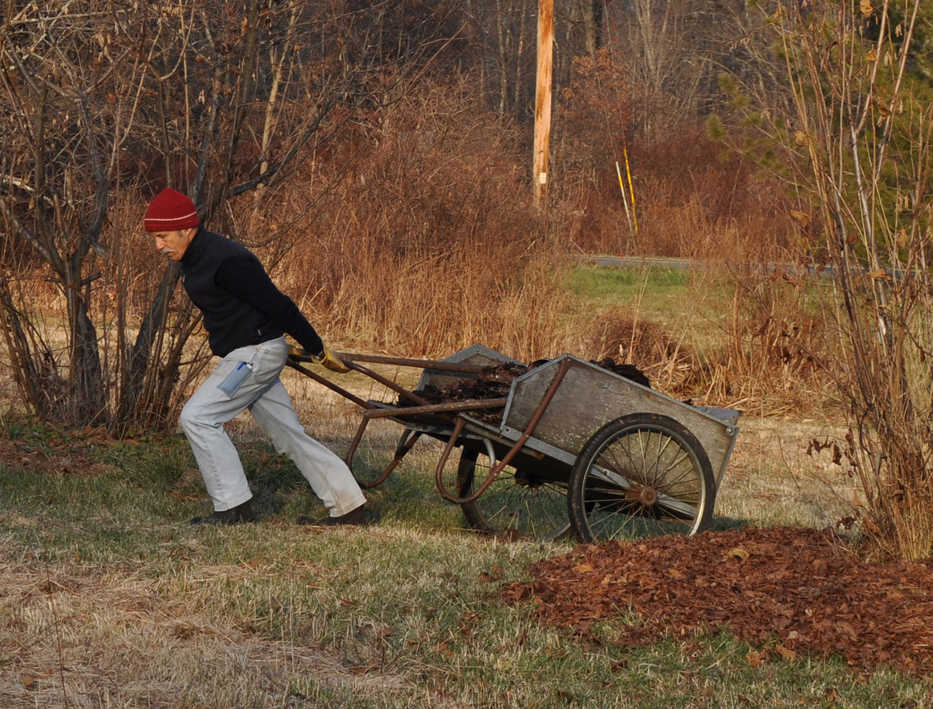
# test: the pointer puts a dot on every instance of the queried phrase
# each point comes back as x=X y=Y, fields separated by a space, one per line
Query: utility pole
x=543 y=100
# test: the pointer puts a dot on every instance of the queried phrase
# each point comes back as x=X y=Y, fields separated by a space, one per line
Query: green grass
x=108 y=596
x=692 y=306
x=624 y=283
x=653 y=288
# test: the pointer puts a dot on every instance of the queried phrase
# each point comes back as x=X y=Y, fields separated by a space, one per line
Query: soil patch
x=787 y=591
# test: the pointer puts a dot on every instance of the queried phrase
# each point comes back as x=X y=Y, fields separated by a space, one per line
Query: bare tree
x=502 y=47
x=672 y=53
x=101 y=99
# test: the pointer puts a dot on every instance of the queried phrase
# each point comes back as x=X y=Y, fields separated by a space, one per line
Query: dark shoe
x=235 y=515
x=361 y=515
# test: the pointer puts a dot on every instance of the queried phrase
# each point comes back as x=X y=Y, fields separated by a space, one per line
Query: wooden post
x=540 y=175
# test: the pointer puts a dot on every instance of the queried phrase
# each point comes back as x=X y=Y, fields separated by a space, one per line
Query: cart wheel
x=642 y=475
x=513 y=506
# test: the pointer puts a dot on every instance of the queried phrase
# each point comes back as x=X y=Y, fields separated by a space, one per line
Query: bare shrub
x=877 y=221
x=855 y=140
x=102 y=103
x=692 y=198
x=429 y=244
x=766 y=357
x=778 y=342
x=620 y=334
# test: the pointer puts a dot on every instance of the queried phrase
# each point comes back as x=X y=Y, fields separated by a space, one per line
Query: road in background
x=606 y=261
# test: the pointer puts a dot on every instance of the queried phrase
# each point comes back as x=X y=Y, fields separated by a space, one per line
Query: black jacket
x=240 y=304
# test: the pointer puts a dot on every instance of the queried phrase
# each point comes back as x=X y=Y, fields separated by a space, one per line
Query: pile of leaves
x=785 y=591
x=495 y=381
x=492 y=382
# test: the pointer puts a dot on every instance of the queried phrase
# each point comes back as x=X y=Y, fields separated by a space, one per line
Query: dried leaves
x=788 y=591
x=495 y=381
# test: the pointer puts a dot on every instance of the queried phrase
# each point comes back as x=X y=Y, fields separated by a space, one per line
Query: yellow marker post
x=628 y=214
x=628 y=174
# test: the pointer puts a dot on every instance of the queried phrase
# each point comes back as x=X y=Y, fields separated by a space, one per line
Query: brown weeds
x=414 y=235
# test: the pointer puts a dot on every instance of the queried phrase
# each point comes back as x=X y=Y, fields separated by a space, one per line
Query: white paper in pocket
x=232 y=381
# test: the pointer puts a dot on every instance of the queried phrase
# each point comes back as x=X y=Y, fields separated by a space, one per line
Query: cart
x=572 y=447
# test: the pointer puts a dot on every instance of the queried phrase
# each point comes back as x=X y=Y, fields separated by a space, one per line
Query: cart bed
x=588 y=397
x=591 y=396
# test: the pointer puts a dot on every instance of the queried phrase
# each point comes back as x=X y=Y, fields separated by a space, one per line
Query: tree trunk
x=592 y=24
x=88 y=397
x=134 y=372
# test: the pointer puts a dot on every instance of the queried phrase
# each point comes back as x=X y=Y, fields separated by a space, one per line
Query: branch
x=101 y=193
x=268 y=175
x=31 y=238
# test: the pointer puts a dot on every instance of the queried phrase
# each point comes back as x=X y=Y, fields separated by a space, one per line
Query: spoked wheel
x=514 y=506
x=642 y=475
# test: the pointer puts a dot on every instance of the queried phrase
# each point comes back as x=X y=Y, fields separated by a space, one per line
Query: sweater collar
x=195 y=249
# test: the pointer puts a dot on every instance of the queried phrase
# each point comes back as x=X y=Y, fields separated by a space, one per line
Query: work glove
x=325 y=358
x=298 y=353
x=331 y=361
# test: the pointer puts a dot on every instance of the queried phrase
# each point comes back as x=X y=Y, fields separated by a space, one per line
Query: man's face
x=173 y=244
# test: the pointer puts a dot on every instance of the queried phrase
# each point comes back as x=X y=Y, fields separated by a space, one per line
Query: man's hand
x=331 y=361
x=299 y=354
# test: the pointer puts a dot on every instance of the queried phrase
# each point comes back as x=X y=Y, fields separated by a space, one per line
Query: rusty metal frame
x=373 y=410
x=500 y=466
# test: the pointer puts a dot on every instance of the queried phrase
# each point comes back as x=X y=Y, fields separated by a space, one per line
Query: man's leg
x=202 y=420
x=328 y=475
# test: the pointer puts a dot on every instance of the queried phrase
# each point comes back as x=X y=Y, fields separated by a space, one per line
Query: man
x=246 y=318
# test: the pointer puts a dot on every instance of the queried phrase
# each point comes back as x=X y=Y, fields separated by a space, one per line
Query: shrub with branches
x=102 y=102
x=855 y=142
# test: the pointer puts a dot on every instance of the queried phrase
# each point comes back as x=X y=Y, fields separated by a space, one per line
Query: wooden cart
x=572 y=447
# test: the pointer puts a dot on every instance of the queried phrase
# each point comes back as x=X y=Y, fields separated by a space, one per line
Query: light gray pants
x=203 y=418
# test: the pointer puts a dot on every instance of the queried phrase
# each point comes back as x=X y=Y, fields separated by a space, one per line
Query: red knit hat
x=170 y=210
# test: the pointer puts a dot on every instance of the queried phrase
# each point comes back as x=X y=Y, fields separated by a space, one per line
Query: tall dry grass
x=691 y=200
x=412 y=232
x=428 y=240
x=776 y=346
x=421 y=239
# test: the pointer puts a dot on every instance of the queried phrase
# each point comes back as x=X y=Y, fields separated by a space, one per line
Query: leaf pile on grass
x=790 y=591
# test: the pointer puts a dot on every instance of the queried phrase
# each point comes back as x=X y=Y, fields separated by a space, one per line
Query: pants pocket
x=235 y=379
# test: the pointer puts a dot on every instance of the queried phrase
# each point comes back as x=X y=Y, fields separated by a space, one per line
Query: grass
x=612 y=286
x=651 y=293
x=108 y=597
x=693 y=306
